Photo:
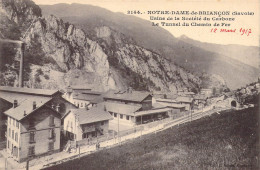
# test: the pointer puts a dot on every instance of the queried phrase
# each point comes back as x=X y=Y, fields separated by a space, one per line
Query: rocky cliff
x=60 y=54
x=230 y=62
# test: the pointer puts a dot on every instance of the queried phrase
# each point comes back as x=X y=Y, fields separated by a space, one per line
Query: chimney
x=22 y=45
x=34 y=105
x=24 y=114
x=15 y=103
x=52 y=106
x=58 y=108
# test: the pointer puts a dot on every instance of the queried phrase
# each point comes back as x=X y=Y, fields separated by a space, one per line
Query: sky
x=204 y=34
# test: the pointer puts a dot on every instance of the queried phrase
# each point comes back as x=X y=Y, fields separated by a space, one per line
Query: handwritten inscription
x=241 y=31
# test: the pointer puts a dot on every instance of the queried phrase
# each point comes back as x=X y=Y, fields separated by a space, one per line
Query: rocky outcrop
x=106 y=60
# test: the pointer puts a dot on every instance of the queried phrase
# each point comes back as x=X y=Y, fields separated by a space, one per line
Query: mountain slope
x=60 y=54
x=212 y=59
x=245 y=54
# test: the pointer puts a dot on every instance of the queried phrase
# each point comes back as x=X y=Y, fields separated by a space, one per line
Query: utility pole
x=190 y=115
x=27 y=165
x=6 y=164
x=141 y=123
x=118 y=127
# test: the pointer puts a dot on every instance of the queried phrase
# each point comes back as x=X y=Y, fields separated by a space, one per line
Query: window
x=14 y=122
x=81 y=105
x=51 y=146
x=17 y=124
x=67 y=127
x=32 y=134
x=115 y=115
x=10 y=119
x=51 y=134
x=9 y=132
x=31 y=150
x=127 y=117
x=51 y=123
x=12 y=134
x=121 y=116
x=102 y=123
x=8 y=145
x=16 y=137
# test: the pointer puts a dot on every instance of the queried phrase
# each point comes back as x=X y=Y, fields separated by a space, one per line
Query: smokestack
x=34 y=105
x=22 y=46
x=15 y=103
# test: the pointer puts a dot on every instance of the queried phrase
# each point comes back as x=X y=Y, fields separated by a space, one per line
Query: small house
x=86 y=123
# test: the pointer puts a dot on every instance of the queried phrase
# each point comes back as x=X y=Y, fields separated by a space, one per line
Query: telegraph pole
x=118 y=127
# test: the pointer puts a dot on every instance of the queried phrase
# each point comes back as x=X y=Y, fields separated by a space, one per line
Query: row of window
x=121 y=116
x=32 y=135
x=32 y=149
x=81 y=104
x=9 y=145
x=15 y=122
x=14 y=135
x=93 y=124
x=70 y=124
x=124 y=102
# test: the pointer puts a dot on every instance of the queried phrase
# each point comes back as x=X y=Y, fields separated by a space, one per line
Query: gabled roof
x=184 y=99
x=25 y=108
x=166 y=100
x=158 y=105
x=121 y=108
x=137 y=96
x=28 y=91
x=100 y=98
x=147 y=112
x=4 y=105
x=9 y=96
x=95 y=114
x=179 y=99
x=176 y=106
x=92 y=92
x=97 y=100
x=85 y=97
x=5 y=101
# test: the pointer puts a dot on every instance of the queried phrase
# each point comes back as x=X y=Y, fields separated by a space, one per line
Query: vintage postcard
x=129 y=84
